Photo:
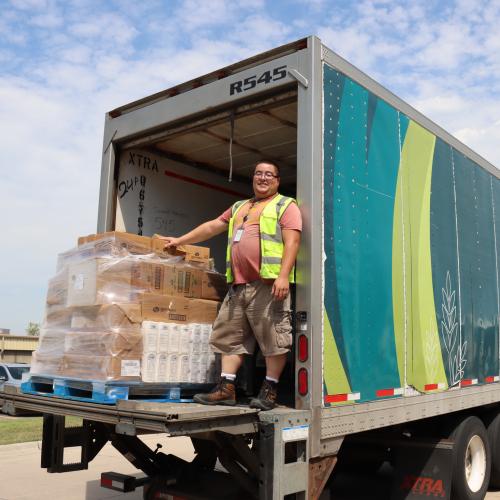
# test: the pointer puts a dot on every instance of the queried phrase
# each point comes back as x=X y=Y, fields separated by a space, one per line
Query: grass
x=24 y=429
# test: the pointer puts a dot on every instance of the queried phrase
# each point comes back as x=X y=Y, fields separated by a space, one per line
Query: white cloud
x=350 y=43
x=196 y=14
x=8 y=31
x=260 y=33
x=251 y=5
x=48 y=20
x=29 y=4
x=107 y=28
x=76 y=54
x=483 y=140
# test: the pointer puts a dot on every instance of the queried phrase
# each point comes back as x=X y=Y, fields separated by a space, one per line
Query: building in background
x=17 y=348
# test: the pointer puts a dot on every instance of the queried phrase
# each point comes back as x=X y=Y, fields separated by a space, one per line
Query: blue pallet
x=93 y=391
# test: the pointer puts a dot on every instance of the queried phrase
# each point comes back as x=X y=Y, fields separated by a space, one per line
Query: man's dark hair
x=269 y=162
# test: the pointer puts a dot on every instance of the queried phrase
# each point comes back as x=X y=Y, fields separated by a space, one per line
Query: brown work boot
x=224 y=393
x=266 y=400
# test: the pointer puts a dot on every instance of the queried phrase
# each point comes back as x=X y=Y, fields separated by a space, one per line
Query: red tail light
x=303 y=382
x=303 y=348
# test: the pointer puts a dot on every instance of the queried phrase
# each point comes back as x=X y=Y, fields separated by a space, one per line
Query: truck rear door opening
x=190 y=172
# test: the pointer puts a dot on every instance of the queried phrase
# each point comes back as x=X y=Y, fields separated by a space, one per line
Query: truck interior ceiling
x=238 y=136
x=210 y=157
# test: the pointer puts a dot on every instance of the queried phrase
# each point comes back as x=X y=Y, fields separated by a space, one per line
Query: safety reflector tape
x=493 y=378
x=106 y=482
x=338 y=398
x=383 y=393
x=468 y=381
x=434 y=387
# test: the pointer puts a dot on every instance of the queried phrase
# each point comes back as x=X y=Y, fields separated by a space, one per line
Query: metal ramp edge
x=135 y=417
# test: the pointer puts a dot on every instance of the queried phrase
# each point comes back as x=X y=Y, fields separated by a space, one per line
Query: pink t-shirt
x=245 y=254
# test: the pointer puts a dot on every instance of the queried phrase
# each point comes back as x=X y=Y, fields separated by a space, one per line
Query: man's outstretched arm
x=201 y=233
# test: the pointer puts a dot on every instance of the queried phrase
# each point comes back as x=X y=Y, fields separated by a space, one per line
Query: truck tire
x=493 y=428
x=471 y=460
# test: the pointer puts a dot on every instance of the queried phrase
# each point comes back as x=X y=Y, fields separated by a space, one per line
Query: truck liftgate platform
x=265 y=453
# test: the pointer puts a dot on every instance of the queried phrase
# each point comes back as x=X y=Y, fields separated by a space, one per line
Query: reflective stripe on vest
x=271 y=241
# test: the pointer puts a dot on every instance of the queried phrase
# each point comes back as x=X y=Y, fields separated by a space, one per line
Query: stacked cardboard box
x=106 y=293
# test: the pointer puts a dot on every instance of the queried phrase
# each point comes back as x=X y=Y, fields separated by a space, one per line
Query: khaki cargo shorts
x=251 y=314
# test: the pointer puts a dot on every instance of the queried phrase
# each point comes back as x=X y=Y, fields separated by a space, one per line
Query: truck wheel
x=471 y=460
x=493 y=428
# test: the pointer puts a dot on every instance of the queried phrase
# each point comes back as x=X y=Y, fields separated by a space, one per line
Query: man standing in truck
x=263 y=241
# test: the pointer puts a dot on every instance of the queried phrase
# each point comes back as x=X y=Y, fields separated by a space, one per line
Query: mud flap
x=423 y=469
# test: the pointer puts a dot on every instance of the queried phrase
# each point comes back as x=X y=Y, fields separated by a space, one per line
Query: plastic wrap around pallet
x=106 y=280
x=105 y=294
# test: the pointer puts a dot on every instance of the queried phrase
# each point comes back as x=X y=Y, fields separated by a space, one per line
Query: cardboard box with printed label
x=101 y=367
x=57 y=291
x=147 y=275
x=115 y=242
x=51 y=342
x=182 y=281
x=187 y=281
x=171 y=309
x=46 y=364
x=213 y=286
x=57 y=317
x=74 y=255
x=104 y=343
x=99 y=281
x=123 y=317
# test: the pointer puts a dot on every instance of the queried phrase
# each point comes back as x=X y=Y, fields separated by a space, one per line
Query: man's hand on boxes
x=169 y=241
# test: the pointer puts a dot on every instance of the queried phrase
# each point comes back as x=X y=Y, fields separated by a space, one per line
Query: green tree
x=33 y=329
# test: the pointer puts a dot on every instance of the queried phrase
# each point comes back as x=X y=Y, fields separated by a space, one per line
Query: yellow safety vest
x=271 y=241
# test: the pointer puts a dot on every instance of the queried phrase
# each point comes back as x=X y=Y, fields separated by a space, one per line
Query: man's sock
x=228 y=376
x=270 y=379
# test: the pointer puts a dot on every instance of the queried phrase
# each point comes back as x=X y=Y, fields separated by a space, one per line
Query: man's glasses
x=265 y=175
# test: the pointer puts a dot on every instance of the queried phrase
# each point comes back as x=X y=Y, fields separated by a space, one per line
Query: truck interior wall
x=411 y=275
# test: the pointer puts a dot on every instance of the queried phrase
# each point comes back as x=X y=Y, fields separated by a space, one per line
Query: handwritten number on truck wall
x=140 y=220
x=127 y=185
x=252 y=81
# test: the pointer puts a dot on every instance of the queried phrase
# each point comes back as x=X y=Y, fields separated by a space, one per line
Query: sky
x=65 y=63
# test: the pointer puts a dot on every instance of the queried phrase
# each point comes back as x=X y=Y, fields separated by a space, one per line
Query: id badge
x=238 y=235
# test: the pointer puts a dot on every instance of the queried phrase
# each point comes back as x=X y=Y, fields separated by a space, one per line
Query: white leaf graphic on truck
x=432 y=352
x=455 y=348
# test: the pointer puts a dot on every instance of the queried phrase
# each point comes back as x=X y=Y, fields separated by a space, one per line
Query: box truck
x=396 y=304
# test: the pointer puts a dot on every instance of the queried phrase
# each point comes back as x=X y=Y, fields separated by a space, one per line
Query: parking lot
x=21 y=477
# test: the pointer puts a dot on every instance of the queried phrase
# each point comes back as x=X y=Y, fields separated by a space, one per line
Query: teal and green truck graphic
x=411 y=299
